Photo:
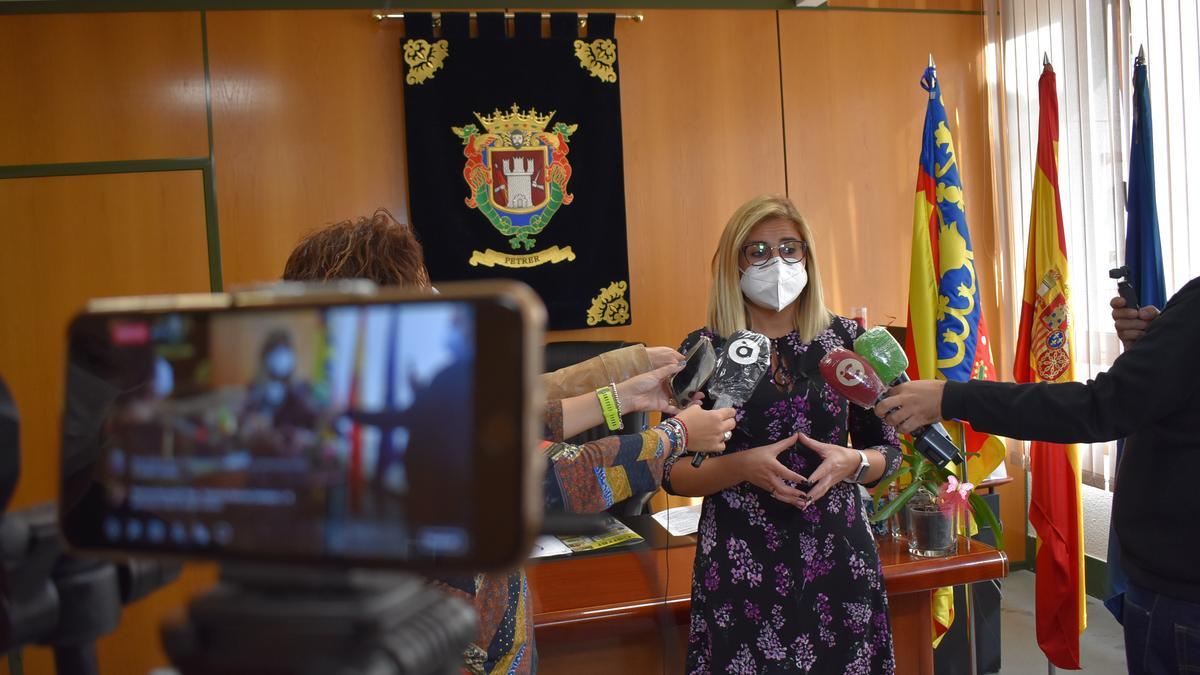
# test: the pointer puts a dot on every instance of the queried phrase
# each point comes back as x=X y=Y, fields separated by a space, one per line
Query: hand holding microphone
x=860 y=376
x=912 y=405
x=707 y=430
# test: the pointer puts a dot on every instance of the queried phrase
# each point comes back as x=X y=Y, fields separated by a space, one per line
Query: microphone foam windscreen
x=882 y=351
x=746 y=360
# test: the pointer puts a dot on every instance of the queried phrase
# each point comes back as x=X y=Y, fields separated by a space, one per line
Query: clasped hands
x=761 y=466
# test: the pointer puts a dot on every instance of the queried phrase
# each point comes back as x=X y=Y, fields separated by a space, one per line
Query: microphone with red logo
x=853 y=376
x=746 y=360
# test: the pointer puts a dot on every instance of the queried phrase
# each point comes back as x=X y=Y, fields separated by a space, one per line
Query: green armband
x=610 y=409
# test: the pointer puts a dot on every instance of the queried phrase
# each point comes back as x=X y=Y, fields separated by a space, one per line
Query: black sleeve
x=1153 y=379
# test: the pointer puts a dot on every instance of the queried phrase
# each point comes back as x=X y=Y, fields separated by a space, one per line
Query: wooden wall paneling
x=911 y=5
x=68 y=239
x=101 y=87
x=308 y=128
x=700 y=112
x=854 y=114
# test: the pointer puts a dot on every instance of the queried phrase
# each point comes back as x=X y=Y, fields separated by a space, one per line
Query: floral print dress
x=777 y=589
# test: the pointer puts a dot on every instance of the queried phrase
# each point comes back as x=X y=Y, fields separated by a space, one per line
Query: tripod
x=52 y=598
x=275 y=620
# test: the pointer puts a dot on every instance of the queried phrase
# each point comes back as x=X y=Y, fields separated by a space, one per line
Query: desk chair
x=562 y=354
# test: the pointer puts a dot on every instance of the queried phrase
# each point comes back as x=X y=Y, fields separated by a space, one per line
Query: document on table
x=615 y=533
x=546 y=546
x=681 y=520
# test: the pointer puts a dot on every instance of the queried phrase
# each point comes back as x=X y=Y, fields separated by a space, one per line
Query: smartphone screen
x=344 y=432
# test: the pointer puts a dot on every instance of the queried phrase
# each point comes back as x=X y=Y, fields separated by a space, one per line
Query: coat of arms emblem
x=517 y=171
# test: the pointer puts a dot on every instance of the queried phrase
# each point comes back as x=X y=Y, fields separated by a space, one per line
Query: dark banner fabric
x=514 y=158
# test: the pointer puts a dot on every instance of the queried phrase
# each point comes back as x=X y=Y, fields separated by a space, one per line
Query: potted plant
x=927 y=489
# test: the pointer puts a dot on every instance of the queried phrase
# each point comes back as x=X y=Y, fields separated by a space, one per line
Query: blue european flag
x=1143 y=256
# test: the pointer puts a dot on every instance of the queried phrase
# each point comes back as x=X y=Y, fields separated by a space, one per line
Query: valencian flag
x=514 y=158
x=946 y=338
x=1044 y=346
x=1143 y=257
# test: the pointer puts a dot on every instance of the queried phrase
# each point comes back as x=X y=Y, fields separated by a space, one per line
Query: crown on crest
x=504 y=124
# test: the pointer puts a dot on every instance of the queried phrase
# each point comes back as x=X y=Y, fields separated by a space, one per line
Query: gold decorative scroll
x=598 y=58
x=490 y=258
x=610 y=306
x=424 y=59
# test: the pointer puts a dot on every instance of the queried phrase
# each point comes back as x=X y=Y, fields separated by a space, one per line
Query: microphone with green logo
x=878 y=348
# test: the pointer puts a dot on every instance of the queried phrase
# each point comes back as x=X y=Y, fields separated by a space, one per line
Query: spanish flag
x=946 y=338
x=1044 y=345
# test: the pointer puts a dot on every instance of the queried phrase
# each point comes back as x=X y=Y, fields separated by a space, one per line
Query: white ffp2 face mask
x=774 y=285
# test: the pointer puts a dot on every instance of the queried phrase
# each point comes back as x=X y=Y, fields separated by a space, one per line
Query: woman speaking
x=787 y=577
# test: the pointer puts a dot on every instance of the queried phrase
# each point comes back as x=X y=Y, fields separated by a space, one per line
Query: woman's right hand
x=706 y=429
x=762 y=467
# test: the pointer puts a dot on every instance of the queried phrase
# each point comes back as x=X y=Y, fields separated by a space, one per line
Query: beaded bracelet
x=617 y=398
x=680 y=429
x=684 y=428
x=672 y=435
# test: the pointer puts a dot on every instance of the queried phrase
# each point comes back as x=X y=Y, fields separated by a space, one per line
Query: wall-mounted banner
x=514 y=158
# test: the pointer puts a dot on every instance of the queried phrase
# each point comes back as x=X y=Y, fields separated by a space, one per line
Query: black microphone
x=746 y=360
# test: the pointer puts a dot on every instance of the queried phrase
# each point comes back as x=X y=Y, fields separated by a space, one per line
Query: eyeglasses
x=758 y=253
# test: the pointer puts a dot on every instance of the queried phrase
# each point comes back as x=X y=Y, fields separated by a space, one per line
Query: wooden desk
x=626 y=612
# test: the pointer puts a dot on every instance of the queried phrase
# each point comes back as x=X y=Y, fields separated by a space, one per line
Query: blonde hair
x=727 y=310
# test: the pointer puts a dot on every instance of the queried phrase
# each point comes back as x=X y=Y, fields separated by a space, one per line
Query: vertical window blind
x=1091 y=45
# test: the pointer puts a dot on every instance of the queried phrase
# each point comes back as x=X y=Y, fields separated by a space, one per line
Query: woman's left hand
x=648 y=391
x=837 y=463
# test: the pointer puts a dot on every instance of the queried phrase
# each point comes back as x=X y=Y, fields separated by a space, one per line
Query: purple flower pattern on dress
x=774 y=589
x=708 y=531
x=724 y=615
x=745 y=567
x=825 y=617
x=858 y=617
x=858 y=568
x=804 y=655
x=783 y=579
x=712 y=578
x=769 y=645
x=743 y=662
x=751 y=611
x=787 y=417
x=818 y=563
x=777 y=619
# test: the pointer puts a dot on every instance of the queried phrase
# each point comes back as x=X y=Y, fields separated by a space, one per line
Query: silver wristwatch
x=863 y=465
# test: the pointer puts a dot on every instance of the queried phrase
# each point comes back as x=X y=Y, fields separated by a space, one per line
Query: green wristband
x=608 y=406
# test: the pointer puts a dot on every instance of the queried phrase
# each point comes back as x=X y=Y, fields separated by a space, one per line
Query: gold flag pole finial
x=1045 y=58
x=1141 y=57
x=931 y=64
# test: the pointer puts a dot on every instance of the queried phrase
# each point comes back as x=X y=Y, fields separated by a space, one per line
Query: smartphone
x=700 y=362
x=390 y=429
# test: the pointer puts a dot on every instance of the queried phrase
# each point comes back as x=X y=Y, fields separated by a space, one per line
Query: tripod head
x=48 y=596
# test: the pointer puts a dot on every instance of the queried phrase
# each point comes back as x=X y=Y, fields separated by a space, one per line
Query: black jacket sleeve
x=1153 y=379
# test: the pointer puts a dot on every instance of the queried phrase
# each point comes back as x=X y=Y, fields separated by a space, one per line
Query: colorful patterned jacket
x=586 y=478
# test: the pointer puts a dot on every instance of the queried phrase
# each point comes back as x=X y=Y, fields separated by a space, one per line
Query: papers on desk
x=546 y=546
x=681 y=520
x=615 y=534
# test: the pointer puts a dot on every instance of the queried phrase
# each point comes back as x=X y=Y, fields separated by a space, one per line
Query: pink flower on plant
x=954 y=496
